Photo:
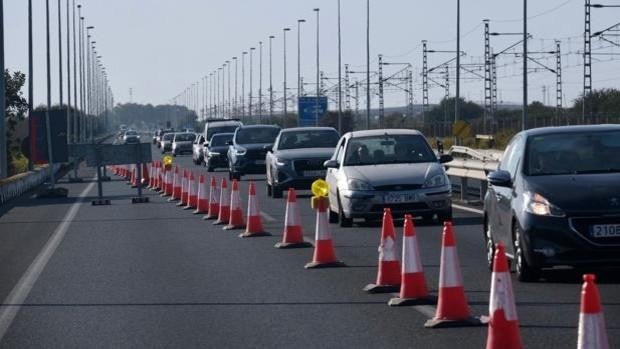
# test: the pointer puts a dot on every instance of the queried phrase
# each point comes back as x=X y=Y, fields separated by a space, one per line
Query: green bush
x=18 y=163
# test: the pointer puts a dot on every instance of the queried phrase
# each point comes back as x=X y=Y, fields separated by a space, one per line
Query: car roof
x=259 y=126
x=381 y=132
x=570 y=129
x=223 y=123
x=222 y=135
x=313 y=128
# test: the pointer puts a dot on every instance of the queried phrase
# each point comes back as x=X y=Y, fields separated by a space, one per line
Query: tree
x=16 y=108
x=330 y=119
x=602 y=102
x=445 y=110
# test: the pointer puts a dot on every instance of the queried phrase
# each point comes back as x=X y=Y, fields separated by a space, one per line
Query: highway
x=74 y=275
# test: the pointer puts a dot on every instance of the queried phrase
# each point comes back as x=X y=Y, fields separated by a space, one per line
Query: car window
x=220 y=140
x=256 y=135
x=131 y=133
x=220 y=129
x=512 y=156
x=388 y=149
x=184 y=137
x=339 y=151
x=168 y=136
x=573 y=153
x=308 y=139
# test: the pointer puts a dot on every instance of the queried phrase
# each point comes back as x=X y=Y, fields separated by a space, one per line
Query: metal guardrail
x=17 y=185
x=472 y=164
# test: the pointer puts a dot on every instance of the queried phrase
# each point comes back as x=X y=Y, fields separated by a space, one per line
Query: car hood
x=306 y=153
x=218 y=149
x=579 y=193
x=391 y=174
x=184 y=143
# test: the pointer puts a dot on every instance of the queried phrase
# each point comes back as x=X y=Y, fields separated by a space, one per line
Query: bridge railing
x=470 y=168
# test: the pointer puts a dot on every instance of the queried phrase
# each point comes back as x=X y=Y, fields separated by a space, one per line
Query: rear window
x=168 y=136
x=131 y=133
x=185 y=137
x=257 y=135
x=308 y=139
x=220 y=129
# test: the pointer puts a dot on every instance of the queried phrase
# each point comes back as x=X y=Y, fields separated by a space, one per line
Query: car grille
x=582 y=227
x=398 y=187
x=308 y=165
x=406 y=207
x=256 y=154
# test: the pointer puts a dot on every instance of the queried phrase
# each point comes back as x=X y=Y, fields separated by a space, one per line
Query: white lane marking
x=12 y=303
x=267 y=217
x=427 y=310
x=468 y=209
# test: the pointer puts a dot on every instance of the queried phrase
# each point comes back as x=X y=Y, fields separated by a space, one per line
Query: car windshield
x=388 y=149
x=257 y=135
x=131 y=133
x=221 y=129
x=184 y=137
x=308 y=139
x=220 y=139
x=573 y=153
x=168 y=136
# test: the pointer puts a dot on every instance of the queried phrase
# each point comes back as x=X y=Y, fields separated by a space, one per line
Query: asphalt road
x=153 y=275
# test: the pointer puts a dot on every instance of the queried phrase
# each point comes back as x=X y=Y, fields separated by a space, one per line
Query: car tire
x=490 y=245
x=344 y=221
x=209 y=169
x=276 y=192
x=525 y=272
x=269 y=190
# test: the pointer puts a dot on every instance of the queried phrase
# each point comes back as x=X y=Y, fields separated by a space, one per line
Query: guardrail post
x=463 y=189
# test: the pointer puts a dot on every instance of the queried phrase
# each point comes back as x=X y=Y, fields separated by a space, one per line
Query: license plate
x=317 y=173
x=605 y=231
x=260 y=162
x=399 y=198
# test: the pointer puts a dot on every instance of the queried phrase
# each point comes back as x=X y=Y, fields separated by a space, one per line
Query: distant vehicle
x=131 y=137
x=395 y=168
x=297 y=158
x=161 y=134
x=182 y=143
x=213 y=126
x=189 y=130
x=156 y=135
x=248 y=149
x=555 y=199
x=123 y=128
x=198 y=149
x=216 y=153
x=166 y=142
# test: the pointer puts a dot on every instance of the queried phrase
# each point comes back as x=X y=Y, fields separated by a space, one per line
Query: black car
x=216 y=153
x=555 y=199
x=248 y=148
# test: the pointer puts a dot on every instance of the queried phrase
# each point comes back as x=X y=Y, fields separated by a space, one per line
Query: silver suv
x=212 y=126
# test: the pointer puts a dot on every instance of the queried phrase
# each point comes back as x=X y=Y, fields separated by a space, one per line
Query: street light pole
x=367 y=64
x=3 y=149
x=260 y=82
x=299 y=22
x=318 y=70
x=284 y=92
x=271 y=37
x=48 y=124
x=524 y=113
x=30 y=91
x=228 y=86
x=60 y=56
x=81 y=59
x=69 y=111
x=458 y=62
x=76 y=112
x=235 y=105
x=250 y=95
x=243 y=82
x=339 y=74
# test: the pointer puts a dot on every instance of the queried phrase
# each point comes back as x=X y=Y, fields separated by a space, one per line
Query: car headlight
x=212 y=153
x=357 y=184
x=537 y=204
x=283 y=162
x=436 y=181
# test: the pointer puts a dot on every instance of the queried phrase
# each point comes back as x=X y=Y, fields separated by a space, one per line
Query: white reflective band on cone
x=252 y=206
x=592 y=332
x=450 y=273
x=502 y=296
x=388 y=251
x=322 y=225
x=411 y=256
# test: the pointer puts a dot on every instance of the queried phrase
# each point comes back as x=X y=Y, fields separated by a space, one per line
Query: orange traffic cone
x=254 y=226
x=388 y=272
x=293 y=235
x=192 y=196
x=452 y=308
x=168 y=186
x=165 y=188
x=214 y=201
x=184 y=188
x=151 y=182
x=176 y=185
x=592 y=332
x=324 y=254
x=235 y=220
x=134 y=177
x=146 y=178
x=202 y=201
x=503 y=324
x=224 y=210
x=413 y=290
x=158 y=170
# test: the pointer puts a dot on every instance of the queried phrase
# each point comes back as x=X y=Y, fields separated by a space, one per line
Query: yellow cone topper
x=167 y=161
x=320 y=189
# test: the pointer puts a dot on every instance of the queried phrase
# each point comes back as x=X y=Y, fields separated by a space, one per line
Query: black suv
x=248 y=148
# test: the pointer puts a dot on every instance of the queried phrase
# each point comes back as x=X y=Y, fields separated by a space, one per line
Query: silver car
x=297 y=158
x=182 y=143
x=374 y=169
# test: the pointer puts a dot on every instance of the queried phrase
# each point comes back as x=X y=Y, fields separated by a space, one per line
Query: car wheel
x=345 y=222
x=269 y=192
x=333 y=216
x=488 y=238
x=276 y=192
x=525 y=272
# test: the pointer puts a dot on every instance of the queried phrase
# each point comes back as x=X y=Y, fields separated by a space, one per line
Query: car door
x=333 y=174
x=505 y=196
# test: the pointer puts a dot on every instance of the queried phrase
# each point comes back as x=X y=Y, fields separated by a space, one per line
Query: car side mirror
x=500 y=178
x=331 y=164
x=229 y=142
x=443 y=158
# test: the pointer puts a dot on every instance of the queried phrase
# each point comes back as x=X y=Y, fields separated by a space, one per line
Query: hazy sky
x=159 y=47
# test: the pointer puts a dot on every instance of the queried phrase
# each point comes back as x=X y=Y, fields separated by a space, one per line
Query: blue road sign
x=308 y=110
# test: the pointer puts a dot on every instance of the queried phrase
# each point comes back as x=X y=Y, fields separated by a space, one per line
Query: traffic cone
x=168 y=184
x=413 y=290
x=254 y=226
x=224 y=210
x=176 y=185
x=165 y=187
x=134 y=177
x=293 y=235
x=214 y=203
x=388 y=272
x=235 y=220
x=202 y=201
x=157 y=180
x=503 y=330
x=146 y=178
x=184 y=188
x=151 y=181
x=324 y=254
x=592 y=332
x=452 y=308
x=192 y=196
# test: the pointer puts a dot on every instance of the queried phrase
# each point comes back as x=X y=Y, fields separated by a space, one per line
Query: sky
x=157 y=48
